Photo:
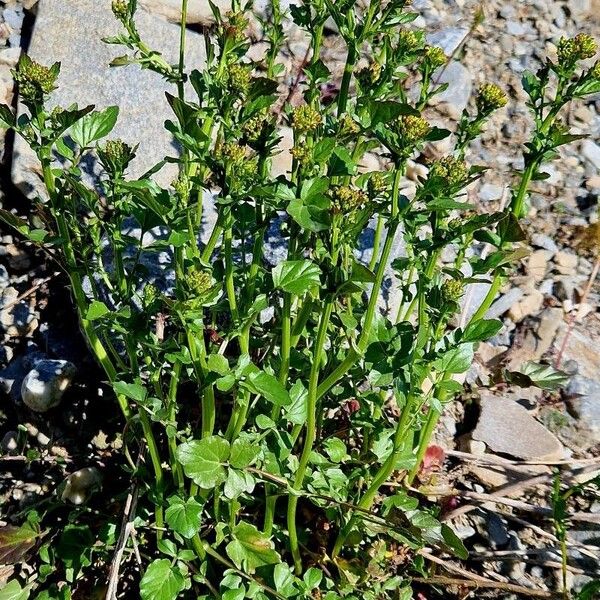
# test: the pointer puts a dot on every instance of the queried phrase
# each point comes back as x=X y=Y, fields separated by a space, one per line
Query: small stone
x=506 y=427
x=490 y=192
x=18 y=318
x=448 y=39
x=44 y=386
x=504 y=303
x=497 y=531
x=583 y=399
x=80 y=484
x=537 y=264
x=529 y=305
x=515 y=28
x=591 y=151
x=540 y=240
x=9 y=442
x=566 y=262
x=460 y=83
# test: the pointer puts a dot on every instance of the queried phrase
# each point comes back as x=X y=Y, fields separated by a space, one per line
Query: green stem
x=309 y=439
x=346 y=78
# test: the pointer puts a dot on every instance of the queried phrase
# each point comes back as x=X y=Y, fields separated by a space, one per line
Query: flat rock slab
x=72 y=32
x=508 y=428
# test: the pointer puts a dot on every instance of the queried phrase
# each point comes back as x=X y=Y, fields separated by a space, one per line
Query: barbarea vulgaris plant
x=279 y=406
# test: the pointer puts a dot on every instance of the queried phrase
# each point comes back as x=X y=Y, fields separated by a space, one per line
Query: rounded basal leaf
x=184 y=517
x=251 y=548
x=269 y=387
x=204 y=461
x=161 y=581
x=243 y=453
x=296 y=276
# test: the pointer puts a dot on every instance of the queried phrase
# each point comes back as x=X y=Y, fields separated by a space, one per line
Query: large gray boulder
x=72 y=32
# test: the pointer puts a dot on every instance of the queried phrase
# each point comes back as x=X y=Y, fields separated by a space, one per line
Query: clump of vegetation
x=279 y=408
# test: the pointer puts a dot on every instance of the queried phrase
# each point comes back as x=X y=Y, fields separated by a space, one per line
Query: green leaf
x=295 y=412
x=238 y=483
x=184 y=516
x=533 y=374
x=312 y=578
x=134 y=391
x=243 y=453
x=455 y=360
x=94 y=126
x=7 y=117
x=204 y=460
x=335 y=449
x=454 y=542
x=481 y=329
x=296 y=276
x=269 y=387
x=386 y=111
x=251 y=548
x=96 y=310
x=15 y=542
x=217 y=363
x=13 y=591
x=161 y=581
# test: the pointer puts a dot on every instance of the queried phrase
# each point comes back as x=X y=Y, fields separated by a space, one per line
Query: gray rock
x=490 y=191
x=448 y=39
x=44 y=386
x=591 y=151
x=71 y=32
x=19 y=317
x=504 y=303
x=497 y=531
x=541 y=240
x=80 y=484
x=13 y=374
x=9 y=443
x=583 y=400
x=508 y=428
x=460 y=84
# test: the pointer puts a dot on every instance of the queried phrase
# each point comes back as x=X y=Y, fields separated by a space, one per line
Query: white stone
x=591 y=151
x=44 y=386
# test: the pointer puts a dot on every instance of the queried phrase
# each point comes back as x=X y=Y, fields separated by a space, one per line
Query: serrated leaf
x=204 y=461
x=184 y=516
x=161 y=581
x=251 y=548
x=533 y=374
x=296 y=276
x=94 y=126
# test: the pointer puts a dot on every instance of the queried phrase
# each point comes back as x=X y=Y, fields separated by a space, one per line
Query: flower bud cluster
x=376 y=185
x=305 y=119
x=116 y=155
x=452 y=170
x=235 y=26
x=572 y=50
x=34 y=79
x=490 y=97
x=199 y=282
x=346 y=199
x=452 y=290
x=120 y=9
x=369 y=75
x=412 y=129
x=238 y=79
x=435 y=57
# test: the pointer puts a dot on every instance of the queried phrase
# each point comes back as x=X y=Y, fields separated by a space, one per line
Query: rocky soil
x=499 y=446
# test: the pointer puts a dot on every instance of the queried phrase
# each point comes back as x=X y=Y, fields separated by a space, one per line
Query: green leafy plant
x=278 y=402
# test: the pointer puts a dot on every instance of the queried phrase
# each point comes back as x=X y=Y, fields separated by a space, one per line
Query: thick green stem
x=310 y=433
x=346 y=78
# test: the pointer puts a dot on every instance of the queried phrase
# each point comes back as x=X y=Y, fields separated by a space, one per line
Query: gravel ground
x=546 y=312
